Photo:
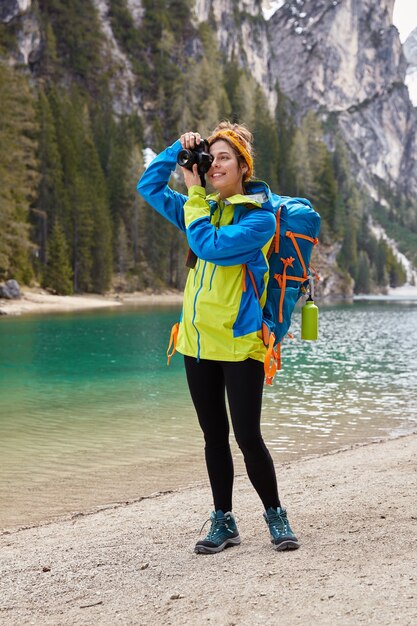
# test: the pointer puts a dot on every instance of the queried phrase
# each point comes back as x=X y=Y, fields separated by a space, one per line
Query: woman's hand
x=191 y=178
x=189 y=141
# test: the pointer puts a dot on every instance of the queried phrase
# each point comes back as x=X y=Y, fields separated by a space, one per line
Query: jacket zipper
x=195 y=311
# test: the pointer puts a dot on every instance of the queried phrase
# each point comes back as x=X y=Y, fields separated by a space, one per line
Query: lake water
x=91 y=415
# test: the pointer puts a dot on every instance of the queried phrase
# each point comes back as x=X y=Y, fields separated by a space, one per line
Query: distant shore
x=36 y=300
x=40 y=301
x=132 y=563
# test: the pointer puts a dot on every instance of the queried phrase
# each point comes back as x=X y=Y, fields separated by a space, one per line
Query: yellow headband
x=233 y=138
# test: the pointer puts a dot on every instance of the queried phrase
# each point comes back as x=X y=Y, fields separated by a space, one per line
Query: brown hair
x=240 y=139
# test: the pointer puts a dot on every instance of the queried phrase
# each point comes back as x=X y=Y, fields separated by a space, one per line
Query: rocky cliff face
x=10 y=9
x=347 y=63
x=410 y=53
x=242 y=35
x=126 y=96
x=29 y=38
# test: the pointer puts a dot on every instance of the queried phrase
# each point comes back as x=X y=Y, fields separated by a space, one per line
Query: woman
x=220 y=332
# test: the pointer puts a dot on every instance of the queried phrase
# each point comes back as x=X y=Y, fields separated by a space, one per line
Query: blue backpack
x=298 y=226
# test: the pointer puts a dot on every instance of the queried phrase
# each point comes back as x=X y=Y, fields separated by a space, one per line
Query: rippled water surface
x=90 y=414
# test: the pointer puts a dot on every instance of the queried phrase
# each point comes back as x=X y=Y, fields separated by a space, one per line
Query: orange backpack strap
x=272 y=361
x=293 y=237
x=173 y=342
x=282 y=282
x=265 y=334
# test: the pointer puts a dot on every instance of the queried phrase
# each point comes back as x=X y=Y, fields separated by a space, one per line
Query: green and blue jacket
x=224 y=294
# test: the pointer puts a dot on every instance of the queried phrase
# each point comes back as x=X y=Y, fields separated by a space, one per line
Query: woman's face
x=225 y=173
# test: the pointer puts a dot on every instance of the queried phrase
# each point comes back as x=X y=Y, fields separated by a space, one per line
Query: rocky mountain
x=347 y=63
x=342 y=58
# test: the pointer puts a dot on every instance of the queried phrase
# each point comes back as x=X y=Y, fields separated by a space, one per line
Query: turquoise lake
x=90 y=415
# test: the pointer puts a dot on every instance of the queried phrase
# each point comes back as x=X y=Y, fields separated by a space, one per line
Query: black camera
x=199 y=155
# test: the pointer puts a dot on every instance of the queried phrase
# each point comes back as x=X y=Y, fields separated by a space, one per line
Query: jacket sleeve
x=228 y=245
x=153 y=186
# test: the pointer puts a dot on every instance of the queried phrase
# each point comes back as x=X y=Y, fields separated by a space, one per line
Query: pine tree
x=286 y=128
x=380 y=262
x=327 y=193
x=124 y=260
x=48 y=64
x=87 y=223
x=363 y=277
x=78 y=38
x=396 y=272
x=299 y=163
x=199 y=99
x=51 y=202
x=58 y=273
x=266 y=142
x=18 y=172
x=240 y=92
x=348 y=256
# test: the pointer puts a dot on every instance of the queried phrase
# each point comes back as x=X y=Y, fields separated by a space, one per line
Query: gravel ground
x=355 y=512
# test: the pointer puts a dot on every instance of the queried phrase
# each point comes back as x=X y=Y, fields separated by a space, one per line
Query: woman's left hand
x=191 y=178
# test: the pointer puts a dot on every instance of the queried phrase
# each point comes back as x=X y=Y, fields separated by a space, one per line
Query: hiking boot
x=282 y=536
x=223 y=533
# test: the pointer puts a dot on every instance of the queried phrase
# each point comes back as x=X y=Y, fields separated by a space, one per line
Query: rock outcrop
x=29 y=38
x=9 y=9
x=10 y=290
x=126 y=97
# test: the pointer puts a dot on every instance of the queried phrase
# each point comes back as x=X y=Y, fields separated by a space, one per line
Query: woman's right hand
x=190 y=140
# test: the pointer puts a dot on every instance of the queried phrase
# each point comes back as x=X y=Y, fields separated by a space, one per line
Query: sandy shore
x=40 y=301
x=355 y=512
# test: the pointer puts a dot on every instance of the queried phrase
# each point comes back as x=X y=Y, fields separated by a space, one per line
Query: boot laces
x=278 y=521
x=216 y=526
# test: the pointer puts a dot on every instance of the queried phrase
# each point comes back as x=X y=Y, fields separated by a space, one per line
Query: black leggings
x=243 y=381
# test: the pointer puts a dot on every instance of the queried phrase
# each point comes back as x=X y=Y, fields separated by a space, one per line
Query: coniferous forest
x=70 y=217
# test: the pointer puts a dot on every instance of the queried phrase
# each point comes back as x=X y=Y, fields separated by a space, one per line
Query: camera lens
x=185 y=158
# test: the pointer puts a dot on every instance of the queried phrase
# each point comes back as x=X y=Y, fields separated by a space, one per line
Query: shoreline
x=38 y=301
x=67 y=498
x=34 y=301
x=54 y=518
x=133 y=563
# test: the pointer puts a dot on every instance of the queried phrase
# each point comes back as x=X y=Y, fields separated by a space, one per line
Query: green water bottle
x=309 y=320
